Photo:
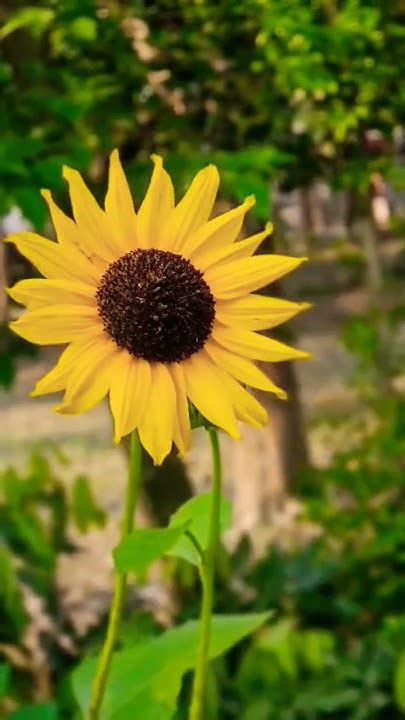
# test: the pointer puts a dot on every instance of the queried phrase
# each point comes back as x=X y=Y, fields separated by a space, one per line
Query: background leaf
x=43 y=711
x=399 y=682
x=4 y=678
x=84 y=509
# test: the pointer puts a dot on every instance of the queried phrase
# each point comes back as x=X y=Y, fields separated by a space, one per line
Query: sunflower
x=157 y=308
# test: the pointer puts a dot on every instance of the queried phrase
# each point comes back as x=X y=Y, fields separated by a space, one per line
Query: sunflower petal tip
x=68 y=173
x=62 y=409
x=157 y=160
x=269 y=227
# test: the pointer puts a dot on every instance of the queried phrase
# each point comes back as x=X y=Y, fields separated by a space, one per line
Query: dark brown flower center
x=156 y=305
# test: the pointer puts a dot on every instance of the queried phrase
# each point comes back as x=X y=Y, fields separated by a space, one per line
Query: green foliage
x=4 y=679
x=85 y=512
x=399 y=682
x=36 y=20
x=277 y=89
x=142 y=547
x=195 y=513
x=35 y=514
x=153 y=670
x=42 y=711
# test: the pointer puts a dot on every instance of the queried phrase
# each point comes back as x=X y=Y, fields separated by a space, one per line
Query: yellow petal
x=247 y=408
x=53 y=260
x=91 y=377
x=240 y=249
x=129 y=394
x=39 y=293
x=229 y=280
x=193 y=209
x=256 y=347
x=208 y=393
x=243 y=370
x=246 y=248
x=66 y=229
x=91 y=220
x=217 y=234
x=56 y=324
x=156 y=427
x=182 y=429
x=257 y=312
x=206 y=257
x=119 y=206
x=56 y=379
x=157 y=206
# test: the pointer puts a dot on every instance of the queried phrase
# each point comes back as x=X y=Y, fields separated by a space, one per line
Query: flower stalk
x=207 y=577
x=120 y=582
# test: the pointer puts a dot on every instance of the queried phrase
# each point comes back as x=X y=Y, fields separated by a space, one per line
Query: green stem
x=207 y=574
x=120 y=581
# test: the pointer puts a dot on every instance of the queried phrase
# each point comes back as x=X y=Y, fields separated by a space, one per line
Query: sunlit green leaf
x=148 y=667
x=142 y=547
x=195 y=512
x=36 y=19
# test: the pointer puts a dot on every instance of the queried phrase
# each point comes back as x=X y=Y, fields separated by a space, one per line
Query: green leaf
x=84 y=29
x=84 y=510
x=142 y=547
x=43 y=711
x=399 y=682
x=4 y=678
x=195 y=512
x=11 y=600
x=278 y=639
x=154 y=669
x=158 y=708
x=36 y=20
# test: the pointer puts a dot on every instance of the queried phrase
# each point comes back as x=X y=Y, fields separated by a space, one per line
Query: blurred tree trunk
x=351 y=211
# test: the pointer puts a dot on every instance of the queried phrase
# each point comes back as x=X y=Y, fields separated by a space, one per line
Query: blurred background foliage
x=280 y=94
